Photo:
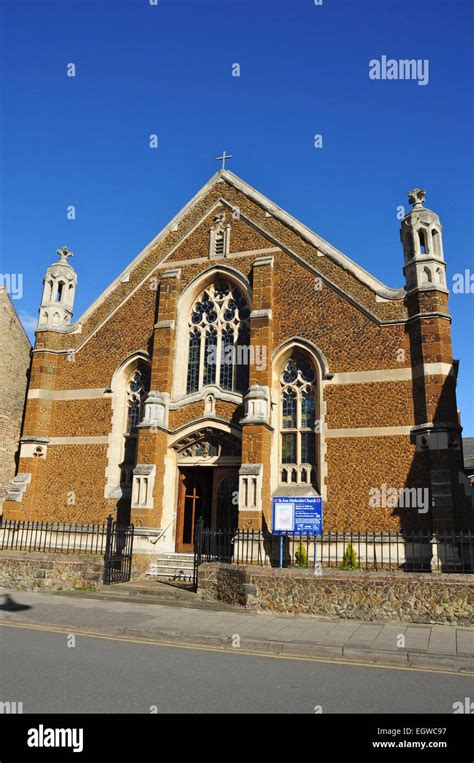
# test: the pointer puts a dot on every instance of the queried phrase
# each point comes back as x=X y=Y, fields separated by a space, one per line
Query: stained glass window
x=193 y=362
x=227 y=360
x=218 y=331
x=308 y=407
x=210 y=357
x=307 y=447
x=298 y=420
x=289 y=409
x=133 y=416
x=288 y=448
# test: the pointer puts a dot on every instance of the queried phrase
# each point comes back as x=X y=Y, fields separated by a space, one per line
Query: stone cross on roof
x=64 y=253
x=224 y=157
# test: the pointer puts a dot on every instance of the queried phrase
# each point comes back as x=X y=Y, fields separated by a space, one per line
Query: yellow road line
x=226 y=650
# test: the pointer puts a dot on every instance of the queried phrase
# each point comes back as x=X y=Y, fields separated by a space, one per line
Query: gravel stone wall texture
x=37 y=571
x=417 y=598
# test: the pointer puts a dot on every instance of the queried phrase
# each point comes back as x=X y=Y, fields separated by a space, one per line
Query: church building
x=239 y=357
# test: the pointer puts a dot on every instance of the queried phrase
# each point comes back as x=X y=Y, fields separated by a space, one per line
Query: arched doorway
x=208 y=476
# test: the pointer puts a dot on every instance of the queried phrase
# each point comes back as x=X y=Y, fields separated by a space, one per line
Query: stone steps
x=173 y=567
x=148 y=588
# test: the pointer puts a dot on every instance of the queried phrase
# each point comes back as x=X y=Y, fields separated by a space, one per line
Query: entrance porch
x=209 y=493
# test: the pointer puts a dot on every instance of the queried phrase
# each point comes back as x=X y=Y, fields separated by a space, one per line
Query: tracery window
x=298 y=419
x=217 y=339
x=136 y=390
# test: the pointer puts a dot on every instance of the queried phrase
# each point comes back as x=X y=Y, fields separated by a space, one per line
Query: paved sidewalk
x=436 y=646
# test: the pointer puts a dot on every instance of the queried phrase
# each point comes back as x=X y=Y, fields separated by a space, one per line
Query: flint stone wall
x=36 y=571
x=414 y=597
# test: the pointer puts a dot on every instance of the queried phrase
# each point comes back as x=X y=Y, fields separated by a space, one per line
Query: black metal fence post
x=198 y=531
x=108 y=549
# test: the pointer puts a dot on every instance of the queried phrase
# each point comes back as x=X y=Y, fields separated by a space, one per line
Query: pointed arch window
x=227 y=348
x=298 y=421
x=218 y=329
x=210 y=355
x=193 y=360
x=137 y=388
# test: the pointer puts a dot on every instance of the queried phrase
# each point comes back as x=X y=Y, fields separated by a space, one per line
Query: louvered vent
x=219 y=244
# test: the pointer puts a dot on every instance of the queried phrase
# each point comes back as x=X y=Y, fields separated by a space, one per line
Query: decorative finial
x=416 y=197
x=64 y=253
x=224 y=157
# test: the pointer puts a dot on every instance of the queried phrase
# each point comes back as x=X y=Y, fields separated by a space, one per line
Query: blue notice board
x=299 y=515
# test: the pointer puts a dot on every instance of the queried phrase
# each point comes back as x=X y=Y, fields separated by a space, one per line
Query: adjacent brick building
x=468 y=450
x=239 y=357
x=15 y=352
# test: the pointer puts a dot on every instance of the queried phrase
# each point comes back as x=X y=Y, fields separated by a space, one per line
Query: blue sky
x=167 y=69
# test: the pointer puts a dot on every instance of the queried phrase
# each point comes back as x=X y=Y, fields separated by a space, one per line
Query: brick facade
x=14 y=364
x=385 y=399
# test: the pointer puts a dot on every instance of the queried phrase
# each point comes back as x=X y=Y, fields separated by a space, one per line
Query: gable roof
x=4 y=295
x=313 y=238
x=378 y=287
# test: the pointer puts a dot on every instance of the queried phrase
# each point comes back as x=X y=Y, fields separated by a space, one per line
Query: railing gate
x=118 y=553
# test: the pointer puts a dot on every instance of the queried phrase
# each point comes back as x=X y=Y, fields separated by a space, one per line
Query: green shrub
x=349 y=560
x=301 y=556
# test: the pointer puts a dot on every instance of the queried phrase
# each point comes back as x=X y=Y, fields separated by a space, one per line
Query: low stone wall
x=141 y=565
x=413 y=597
x=21 y=570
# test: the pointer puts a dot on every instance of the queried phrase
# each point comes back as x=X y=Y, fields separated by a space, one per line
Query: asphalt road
x=104 y=675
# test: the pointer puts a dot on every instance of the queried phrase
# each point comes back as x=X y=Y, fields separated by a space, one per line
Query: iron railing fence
x=51 y=536
x=112 y=541
x=118 y=553
x=410 y=550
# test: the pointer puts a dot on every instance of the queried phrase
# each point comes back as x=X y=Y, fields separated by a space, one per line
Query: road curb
x=308 y=650
x=286 y=649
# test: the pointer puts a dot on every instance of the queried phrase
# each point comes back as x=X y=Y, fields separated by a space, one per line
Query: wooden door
x=190 y=509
